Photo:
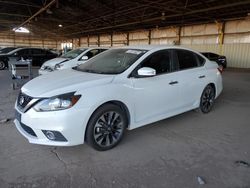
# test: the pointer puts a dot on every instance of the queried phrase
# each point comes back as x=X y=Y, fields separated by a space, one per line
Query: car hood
x=60 y=82
x=53 y=62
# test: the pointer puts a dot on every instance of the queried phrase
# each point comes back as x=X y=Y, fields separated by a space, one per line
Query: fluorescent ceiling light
x=21 y=30
x=60 y=25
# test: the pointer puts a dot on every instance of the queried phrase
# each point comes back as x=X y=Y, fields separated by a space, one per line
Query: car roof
x=156 y=47
x=90 y=48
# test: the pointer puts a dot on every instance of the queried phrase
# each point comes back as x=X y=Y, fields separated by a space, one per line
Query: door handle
x=173 y=82
x=203 y=76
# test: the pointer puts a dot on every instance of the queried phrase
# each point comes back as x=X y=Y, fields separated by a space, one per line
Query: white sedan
x=122 y=88
x=70 y=59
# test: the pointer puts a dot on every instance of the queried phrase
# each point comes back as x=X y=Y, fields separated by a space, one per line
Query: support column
x=42 y=42
x=14 y=40
x=149 y=37
x=98 y=40
x=178 y=42
x=88 y=40
x=127 y=38
x=111 y=39
x=221 y=29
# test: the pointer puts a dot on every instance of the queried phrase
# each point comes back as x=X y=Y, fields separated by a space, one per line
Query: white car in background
x=122 y=88
x=70 y=59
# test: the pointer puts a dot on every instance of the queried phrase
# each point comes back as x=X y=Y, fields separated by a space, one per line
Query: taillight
x=220 y=69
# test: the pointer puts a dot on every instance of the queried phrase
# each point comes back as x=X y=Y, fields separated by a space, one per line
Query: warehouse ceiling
x=74 y=18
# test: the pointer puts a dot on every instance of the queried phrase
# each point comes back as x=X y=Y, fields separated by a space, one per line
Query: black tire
x=2 y=65
x=207 y=99
x=106 y=127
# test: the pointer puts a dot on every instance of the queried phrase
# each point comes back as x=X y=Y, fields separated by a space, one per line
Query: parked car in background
x=7 y=50
x=37 y=55
x=121 y=88
x=221 y=60
x=4 y=52
x=70 y=59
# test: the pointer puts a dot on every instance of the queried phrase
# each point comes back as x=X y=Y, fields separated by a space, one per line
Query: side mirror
x=84 y=58
x=146 y=72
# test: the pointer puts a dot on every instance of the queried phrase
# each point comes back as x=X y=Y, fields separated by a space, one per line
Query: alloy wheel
x=207 y=99
x=108 y=129
x=2 y=65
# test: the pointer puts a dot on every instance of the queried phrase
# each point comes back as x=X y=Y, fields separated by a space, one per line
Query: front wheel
x=2 y=65
x=106 y=127
x=207 y=99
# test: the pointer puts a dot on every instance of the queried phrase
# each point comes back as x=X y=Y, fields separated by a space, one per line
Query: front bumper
x=71 y=123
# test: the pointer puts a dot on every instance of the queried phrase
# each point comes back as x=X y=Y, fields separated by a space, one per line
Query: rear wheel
x=207 y=99
x=2 y=65
x=106 y=127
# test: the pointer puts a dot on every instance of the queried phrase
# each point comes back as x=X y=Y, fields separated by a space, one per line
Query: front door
x=159 y=95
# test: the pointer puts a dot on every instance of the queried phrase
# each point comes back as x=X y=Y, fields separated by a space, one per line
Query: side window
x=201 y=60
x=212 y=55
x=160 y=61
x=92 y=53
x=36 y=51
x=186 y=59
x=102 y=50
x=24 y=52
x=47 y=52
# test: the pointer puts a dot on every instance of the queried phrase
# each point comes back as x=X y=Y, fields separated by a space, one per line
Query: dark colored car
x=37 y=55
x=7 y=50
x=220 y=60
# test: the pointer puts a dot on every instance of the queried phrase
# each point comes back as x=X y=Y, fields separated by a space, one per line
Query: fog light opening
x=54 y=135
x=50 y=135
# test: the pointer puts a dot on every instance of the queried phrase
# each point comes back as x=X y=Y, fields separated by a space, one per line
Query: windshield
x=73 y=53
x=113 y=61
x=6 y=50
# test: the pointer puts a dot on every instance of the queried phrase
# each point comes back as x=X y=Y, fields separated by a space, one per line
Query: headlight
x=42 y=67
x=60 y=102
x=58 y=66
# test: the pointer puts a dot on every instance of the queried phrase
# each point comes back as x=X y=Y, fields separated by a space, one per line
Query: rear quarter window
x=201 y=60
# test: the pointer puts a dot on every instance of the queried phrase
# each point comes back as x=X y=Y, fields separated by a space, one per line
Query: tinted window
x=36 y=51
x=23 y=52
x=212 y=55
x=49 y=52
x=7 y=50
x=201 y=60
x=205 y=54
x=73 y=53
x=186 y=59
x=160 y=61
x=102 y=50
x=92 y=53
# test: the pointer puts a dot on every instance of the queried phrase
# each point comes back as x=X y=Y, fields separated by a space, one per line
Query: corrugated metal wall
x=204 y=37
x=25 y=40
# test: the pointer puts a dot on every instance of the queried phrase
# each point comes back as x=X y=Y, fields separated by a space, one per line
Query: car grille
x=28 y=129
x=23 y=100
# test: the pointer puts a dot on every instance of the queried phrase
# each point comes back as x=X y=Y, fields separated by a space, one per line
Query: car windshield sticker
x=137 y=52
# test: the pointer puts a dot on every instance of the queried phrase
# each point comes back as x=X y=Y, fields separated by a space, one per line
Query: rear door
x=191 y=75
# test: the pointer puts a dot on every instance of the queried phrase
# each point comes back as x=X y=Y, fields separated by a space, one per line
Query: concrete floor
x=169 y=153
